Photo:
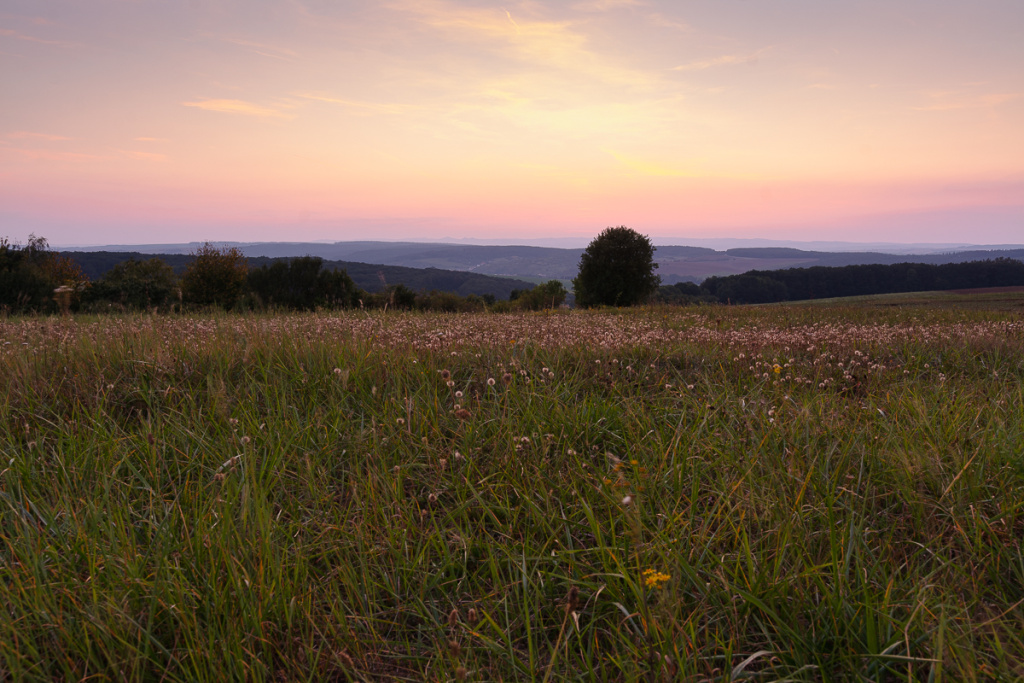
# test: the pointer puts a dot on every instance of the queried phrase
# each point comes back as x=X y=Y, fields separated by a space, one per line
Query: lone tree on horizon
x=616 y=269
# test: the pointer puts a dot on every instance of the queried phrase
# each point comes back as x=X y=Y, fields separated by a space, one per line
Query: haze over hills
x=535 y=263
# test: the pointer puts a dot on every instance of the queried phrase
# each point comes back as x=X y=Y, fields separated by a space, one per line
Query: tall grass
x=781 y=493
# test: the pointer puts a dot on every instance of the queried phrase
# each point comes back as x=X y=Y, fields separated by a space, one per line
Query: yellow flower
x=654 y=579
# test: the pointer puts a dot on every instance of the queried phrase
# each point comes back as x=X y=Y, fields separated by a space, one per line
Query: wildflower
x=463 y=414
x=458 y=394
x=506 y=378
x=627 y=500
x=654 y=579
x=445 y=375
x=490 y=381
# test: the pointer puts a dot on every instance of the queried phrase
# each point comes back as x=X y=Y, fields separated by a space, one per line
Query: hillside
x=676 y=263
x=369 y=277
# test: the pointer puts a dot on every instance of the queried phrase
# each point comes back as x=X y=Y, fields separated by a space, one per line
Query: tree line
x=35 y=279
x=617 y=269
x=823 y=282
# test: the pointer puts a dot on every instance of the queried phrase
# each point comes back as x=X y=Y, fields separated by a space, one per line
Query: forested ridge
x=821 y=282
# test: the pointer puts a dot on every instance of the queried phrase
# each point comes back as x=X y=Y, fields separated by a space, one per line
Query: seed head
x=570 y=599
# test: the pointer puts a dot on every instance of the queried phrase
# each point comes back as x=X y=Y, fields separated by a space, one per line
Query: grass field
x=801 y=492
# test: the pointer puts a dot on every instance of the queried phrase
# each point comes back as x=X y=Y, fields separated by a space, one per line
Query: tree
x=302 y=283
x=216 y=277
x=551 y=294
x=137 y=284
x=616 y=269
x=31 y=275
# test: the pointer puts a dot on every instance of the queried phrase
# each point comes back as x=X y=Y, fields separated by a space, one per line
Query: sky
x=149 y=121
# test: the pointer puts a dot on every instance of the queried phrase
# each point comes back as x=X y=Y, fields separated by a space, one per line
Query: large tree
x=616 y=269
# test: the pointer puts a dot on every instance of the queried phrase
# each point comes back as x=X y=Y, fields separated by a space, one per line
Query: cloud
x=606 y=5
x=659 y=19
x=724 y=60
x=238 y=107
x=556 y=46
x=9 y=33
x=262 y=49
x=50 y=155
x=143 y=156
x=27 y=135
x=645 y=167
x=359 y=106
x=949 y=100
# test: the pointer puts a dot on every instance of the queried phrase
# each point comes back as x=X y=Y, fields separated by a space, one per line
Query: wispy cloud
x=238 y=107
x=10 y=33
x=724 y=60
x=659 y=19
x=527 y=36
x=143 y=156
x=27 y=135
x=651 y=168
x=606 y=5
x=949 y=100
x=51 y=155
x=359 y=106
x=263 y=49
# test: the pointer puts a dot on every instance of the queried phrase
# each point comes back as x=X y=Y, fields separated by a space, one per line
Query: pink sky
x=137 y=121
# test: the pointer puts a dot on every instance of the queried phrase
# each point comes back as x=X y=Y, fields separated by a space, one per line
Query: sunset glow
x=131 y=121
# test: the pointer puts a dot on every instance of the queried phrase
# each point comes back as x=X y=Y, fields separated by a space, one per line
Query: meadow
x=792 y=492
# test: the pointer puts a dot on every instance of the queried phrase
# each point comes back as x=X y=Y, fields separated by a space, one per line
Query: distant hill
x=369 y=277
x=676 y=263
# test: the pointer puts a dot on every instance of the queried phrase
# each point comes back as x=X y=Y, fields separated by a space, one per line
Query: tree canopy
x=616 y=269
x=215 y=277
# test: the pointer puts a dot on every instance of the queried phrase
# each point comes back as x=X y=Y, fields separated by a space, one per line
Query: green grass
x=306 y=497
